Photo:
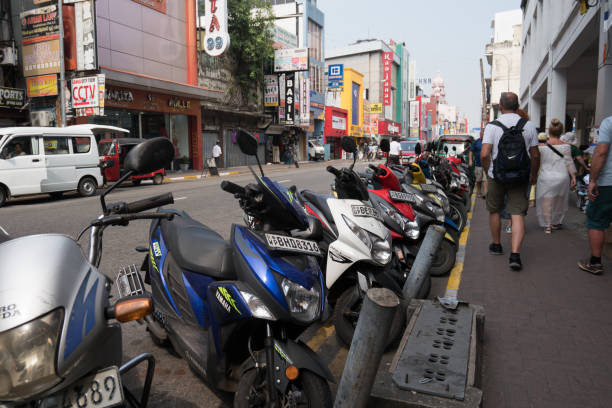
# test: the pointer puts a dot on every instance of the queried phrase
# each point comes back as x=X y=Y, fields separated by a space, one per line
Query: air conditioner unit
x=8 y=56
x=41 y=118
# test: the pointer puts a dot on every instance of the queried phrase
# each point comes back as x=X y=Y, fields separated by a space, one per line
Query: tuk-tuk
x=115 y=150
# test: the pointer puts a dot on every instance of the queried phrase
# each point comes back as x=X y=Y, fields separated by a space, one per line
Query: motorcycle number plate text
x=365 y=211
x=401 y=196
x=101 y=390
x=429 y=188
x=290 y=244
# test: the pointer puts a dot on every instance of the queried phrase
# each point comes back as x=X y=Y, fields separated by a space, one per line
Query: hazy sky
x=441 y=35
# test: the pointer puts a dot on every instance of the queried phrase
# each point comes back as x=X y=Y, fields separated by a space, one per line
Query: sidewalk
x=548 y=328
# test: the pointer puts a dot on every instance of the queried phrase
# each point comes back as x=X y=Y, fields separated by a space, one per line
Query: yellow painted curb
x=464 y=236
x=455 y=277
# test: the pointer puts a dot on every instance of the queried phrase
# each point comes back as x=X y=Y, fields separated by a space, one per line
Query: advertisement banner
x=355 y=104
x=376 y=108
x=291 y=59
x=41 y=58
x=387 y=59
x=386 y=127
x=40 y=24
x=414 y=114
x=283 y=38
x=281 y=94
x=305 y=101
x=217 y=38
x=11 y=97
x=45 y=85
x=290 y=98
x=158 y=5
x=85 y=92
x=270 y=91
x=85 y=30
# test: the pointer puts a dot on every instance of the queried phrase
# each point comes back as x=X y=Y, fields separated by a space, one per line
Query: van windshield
x=106 y=148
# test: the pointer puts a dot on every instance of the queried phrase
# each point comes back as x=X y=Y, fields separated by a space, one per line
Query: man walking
x=599 y=209
x=508 y=182
x=395 y=149
x=216 y=153
x=474 y=160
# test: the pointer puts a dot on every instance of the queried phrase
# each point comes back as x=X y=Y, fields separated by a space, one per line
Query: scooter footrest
x=129 y=282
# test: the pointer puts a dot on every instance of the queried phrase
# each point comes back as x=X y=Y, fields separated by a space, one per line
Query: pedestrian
x=474 y=160
x=556 y=170
x=216 y=153
x=372 y=152
x=577 y=155
x=599 y=208
x=511 y=159
x=395 y=149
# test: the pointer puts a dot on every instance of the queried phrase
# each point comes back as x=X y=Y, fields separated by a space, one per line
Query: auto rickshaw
x=114 y=151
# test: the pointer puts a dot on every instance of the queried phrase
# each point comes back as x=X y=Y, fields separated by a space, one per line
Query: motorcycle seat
x=197 y=248
x=320 y=202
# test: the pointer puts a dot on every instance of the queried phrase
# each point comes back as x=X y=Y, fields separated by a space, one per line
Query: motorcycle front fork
x=269 y=348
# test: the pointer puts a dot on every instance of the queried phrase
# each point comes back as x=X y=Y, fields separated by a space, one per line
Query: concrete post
x=377 y=313
x=535 y=111
x=556 y=97
x=420 y=267
x=603 y=107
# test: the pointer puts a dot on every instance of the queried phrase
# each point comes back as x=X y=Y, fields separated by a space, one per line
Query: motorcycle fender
x=448 y=237
x=450 y=223
x=340 y=257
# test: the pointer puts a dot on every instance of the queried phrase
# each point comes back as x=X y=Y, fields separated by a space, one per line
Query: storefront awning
x=275 y=130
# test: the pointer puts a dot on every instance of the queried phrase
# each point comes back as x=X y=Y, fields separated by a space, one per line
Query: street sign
x=335 y=84
x=335 y=72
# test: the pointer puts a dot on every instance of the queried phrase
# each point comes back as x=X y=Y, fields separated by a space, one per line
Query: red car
x=407 y=150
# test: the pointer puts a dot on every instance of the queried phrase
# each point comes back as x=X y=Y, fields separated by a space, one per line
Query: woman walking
x=557 y=172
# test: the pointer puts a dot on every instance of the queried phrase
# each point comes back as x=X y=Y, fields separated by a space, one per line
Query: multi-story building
x=566 y=70
x=504 y=55
x=12 y=84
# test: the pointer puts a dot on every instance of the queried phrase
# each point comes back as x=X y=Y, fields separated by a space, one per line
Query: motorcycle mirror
x=445 y=149
x=417 y=149
x=385 y=146
x=149 y=156
x=129 y=309
x=105 y=164
x=454 y=148
x=247 y=142
x=348 y=144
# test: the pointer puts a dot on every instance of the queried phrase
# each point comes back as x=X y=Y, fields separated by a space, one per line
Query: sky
x=441 y=35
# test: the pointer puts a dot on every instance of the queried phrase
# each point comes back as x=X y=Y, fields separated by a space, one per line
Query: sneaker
x=587 y=266
x=557 y=226
x=508 y=229
x=496 y=249
x=515 y=262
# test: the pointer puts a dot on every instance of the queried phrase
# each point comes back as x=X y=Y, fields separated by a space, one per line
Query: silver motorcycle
x=60 y=341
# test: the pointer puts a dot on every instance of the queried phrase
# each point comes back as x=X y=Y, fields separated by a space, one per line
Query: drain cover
x=435 y=357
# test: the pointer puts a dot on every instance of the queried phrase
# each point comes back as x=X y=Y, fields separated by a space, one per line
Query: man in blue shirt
x=474 y=160
x=599 y=209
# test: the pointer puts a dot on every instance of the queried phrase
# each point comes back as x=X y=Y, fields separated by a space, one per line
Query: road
x=174 y=385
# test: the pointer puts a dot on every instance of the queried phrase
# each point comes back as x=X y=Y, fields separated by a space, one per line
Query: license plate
x=290 y=244
x=401 y=196
x=365 y=211
x=429 y=188
x=100 y=390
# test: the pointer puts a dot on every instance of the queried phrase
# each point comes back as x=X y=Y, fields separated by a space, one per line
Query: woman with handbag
x=557 y=175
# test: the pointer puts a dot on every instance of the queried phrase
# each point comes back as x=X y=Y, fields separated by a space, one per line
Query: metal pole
x=420 y=267
x=62 y=68
x=377 y=313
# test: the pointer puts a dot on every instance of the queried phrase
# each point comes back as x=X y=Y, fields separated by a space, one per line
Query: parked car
x=315 y=151
x=407 y=150
x=458 y=145
x=114 y=151
x=36 y=160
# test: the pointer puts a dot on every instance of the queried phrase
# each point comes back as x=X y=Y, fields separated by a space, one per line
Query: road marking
x=464 y=235
x=180 y=198
x=337 y=365
x=320 y=337
x=454 y=280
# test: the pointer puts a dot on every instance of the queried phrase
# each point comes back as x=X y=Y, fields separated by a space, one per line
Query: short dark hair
x=509 y=101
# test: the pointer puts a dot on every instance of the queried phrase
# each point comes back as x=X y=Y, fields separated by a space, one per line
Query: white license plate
x=401 y=196
x=365 y=211
x=101 y=390
x=290 y=244
x=429 y=188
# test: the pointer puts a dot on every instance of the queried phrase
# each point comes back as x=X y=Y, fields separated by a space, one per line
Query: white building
x=504 y=55
x=566 y=72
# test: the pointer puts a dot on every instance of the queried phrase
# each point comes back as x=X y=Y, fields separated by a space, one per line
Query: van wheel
x=3 y=196
x=158 y=179
x=87 y=187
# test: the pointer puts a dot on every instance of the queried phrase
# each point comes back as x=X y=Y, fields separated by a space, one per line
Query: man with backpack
x=511 y=159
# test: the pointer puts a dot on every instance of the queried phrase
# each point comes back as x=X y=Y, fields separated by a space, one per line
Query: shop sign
x=85 y=92
x=11 y=97
x=281 y=93
x=290 y=99
x=356 y=131
x=414 y=114
x=85 y=30
x=339 y=123
x=386 y=127
x=335 y=121
x=291 y=59
x=41 y=58
x=355 y=103
x=159 y=5
x=387 y=58
x=119 y=95
x=376 y=108
x=45 y=85
x=305 y=101
x=271 y=91
x=39 y=24
x=283 y=38
x=216 y=39
x=177 y=103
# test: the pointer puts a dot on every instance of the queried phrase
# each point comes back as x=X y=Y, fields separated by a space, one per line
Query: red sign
x=387 y=59
x=336 y=120
x=386 y=127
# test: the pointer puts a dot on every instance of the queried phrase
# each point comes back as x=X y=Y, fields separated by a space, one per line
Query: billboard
x=85 y=92
x=216 y=37
x=289 y=98
x=283 y=38
x=45 y=85
x=355 y=94
x=85 y=33
x=41 y=58
x=414 y=114
x=387 y=127
x=305 y=101
x=387 y=59
x=270 y=90
x=40 y=24
x=11 y=97
x=291 y=59
x=376 y=108
x=335 y=121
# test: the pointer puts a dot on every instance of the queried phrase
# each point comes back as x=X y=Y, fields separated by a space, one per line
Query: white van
x=36 y=160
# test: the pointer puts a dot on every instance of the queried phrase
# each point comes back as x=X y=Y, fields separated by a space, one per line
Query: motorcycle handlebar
x=333 y=171
x=124 y=219
x=141 y=205
x=233 y=188
x=377 y=170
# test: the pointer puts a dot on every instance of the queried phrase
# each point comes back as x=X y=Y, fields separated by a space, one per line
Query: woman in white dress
x=557 y=174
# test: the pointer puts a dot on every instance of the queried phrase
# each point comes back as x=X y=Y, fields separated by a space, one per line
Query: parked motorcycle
x=59 y=334
x=582 y=192
x=234 y=309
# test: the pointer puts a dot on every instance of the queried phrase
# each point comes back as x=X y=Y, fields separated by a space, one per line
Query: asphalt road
x=174 y=385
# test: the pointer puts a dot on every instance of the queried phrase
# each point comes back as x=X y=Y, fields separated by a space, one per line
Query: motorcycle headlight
x=412 y=229
x=454 y=184
x=381 y=248
x=304 y=304
x=27 y=357
x=360 y=232
x=395 y=215
x=257 y=306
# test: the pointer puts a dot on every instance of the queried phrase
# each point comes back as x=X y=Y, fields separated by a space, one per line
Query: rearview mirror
x=247 y=142
x=445 y=149
x=417 y=149
x=348 y=144
x=454 y=148
x=150 y=155
x=385 y=145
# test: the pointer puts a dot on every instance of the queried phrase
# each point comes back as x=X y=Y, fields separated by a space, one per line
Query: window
x=20 y=146
x=81 y=144
x=56 y=145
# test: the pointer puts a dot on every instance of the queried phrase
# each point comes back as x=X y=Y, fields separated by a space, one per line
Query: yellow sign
x=44 y=85
x=376 y=108
x=356 y=131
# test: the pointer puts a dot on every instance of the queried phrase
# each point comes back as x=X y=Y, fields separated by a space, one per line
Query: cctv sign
x=85 y=93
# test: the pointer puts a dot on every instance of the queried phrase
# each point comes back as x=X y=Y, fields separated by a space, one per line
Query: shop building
x=350 y=98
x=336 y=124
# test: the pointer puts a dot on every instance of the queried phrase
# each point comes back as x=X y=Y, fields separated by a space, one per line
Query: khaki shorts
x=514 y=197
x=478 y=174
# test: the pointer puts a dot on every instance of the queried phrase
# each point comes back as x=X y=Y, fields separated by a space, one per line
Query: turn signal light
x=292 y=372
x=130 y=309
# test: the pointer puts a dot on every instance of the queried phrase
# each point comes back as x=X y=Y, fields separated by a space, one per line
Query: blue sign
x=335 y=72
x=335 y=84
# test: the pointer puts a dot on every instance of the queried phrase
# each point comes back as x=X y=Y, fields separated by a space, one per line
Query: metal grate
x=129 y=282
x=435 y=357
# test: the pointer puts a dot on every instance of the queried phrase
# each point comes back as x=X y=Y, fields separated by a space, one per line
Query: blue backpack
x=512 y=164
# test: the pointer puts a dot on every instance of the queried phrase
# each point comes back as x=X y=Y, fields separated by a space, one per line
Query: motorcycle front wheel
x=308 y=390
x=458 y=214
x=444 y=259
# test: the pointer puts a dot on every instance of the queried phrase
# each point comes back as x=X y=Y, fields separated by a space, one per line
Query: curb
x=198 y=177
